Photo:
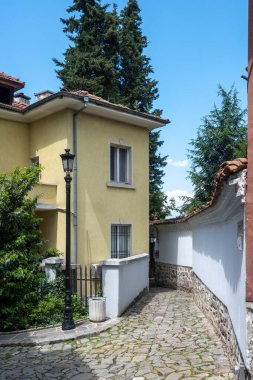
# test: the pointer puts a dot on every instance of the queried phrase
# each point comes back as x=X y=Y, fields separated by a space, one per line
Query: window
x=120 y=241
x=120 y=164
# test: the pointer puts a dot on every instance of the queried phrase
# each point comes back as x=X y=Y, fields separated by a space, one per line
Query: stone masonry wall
x=217 y=313
x=178 y=277
x=250 y=334
x=174 y=276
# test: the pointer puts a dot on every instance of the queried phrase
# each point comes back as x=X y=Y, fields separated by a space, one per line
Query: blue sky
x=194 y=45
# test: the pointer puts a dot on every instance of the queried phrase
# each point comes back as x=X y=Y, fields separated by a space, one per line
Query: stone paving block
x=163 y=336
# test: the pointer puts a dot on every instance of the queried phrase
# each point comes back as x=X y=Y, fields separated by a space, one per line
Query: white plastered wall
x=210 y=240
x=123 y=281
x=175 y=245
x=220 y=265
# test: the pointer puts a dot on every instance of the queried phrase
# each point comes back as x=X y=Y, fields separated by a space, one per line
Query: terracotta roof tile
x=226 y=169
x=102 y=100
x=86 y=93
x=19 y=105
x=10 y=78
x=94 y=99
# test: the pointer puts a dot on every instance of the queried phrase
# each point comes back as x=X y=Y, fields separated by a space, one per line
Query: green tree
x=91 y=62
x=107 y=58
x=20 y=247
x=158 y=205
x=137 y=89
x=222 y=136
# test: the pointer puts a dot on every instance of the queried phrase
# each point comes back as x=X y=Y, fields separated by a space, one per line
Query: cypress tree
x=137 y=89
x=91 y=63
x=158 y=205
x=107 y=59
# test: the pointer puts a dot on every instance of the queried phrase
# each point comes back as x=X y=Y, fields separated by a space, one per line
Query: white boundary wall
x=220 y=265
x=123 y=281
x=175 y=246
x=214 y=241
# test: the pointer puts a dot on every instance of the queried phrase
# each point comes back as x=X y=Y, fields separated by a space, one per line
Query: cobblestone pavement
x=163 y=336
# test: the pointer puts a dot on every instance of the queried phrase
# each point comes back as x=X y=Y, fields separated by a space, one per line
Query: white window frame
x=129 y=240
x=117 y=181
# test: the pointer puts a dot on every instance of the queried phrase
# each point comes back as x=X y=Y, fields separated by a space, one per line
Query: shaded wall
x=214 y=241
x=175 y=245
x=220 y=265
x=14 y=145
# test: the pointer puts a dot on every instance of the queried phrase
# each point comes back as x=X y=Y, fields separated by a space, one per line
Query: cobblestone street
x=163 y=336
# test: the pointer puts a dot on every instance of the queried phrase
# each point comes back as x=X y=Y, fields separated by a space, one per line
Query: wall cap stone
x=125 y=261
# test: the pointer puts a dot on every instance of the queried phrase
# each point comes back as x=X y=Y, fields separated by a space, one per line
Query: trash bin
x=97 y=309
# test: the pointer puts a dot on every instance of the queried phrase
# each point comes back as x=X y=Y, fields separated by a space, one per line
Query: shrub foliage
x=20 y=247
x=26 y=298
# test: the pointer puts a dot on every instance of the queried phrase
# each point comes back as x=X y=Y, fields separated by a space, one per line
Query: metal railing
x=86 y=282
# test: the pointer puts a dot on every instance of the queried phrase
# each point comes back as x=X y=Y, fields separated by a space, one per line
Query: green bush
x=50 y=308
x=26 y=298
x=20 y=247
x=49 y=311
x=79 y=311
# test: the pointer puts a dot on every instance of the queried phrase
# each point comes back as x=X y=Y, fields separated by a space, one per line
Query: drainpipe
x=85 y=100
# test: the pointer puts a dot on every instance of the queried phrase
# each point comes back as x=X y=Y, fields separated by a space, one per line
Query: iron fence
x=86 y=282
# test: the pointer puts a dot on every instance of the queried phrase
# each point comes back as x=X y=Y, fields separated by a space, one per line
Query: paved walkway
x=55 y=334
x=164 y=336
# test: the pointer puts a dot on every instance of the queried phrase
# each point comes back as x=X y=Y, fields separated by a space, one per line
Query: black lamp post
x=68 y=162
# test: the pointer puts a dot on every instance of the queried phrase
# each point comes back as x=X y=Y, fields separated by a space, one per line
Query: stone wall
x=217 y=313
x=249 y=308
x=174 y=276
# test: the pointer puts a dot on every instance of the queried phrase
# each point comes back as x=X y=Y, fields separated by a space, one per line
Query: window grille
x=120 y=241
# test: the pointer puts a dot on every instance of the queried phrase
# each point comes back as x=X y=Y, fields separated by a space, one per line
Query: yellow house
x=110 y=192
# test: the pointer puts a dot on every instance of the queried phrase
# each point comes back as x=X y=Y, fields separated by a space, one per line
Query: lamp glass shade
x=67 y=161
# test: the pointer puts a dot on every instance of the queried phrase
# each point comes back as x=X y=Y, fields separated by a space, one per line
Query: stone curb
x=55 y=335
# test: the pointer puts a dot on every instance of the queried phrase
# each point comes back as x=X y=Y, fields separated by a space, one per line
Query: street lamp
x=68 y=162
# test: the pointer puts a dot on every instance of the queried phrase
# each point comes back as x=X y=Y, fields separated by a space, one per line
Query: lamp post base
x=68 y=324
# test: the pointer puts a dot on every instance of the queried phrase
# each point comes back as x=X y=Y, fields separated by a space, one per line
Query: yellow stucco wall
x=49 y=227
x=49 y=137
x=99 y=206
x=14 y=145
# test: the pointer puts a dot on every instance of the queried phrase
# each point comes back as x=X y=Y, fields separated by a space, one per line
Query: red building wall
x=249 y=198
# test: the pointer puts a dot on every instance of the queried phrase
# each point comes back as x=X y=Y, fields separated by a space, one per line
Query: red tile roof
x=226 y=169
x=93 y=98
x=19 y=105
x=105 y=102
x=9 y=78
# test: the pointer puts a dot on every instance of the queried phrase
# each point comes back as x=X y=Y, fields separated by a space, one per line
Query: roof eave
x=96 y=107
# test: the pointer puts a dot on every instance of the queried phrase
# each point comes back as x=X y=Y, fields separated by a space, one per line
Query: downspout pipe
x=75 y=116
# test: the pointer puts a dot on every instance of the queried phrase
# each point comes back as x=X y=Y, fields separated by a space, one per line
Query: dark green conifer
x=91 y=62
x=137 y=89
x=107 y=59
x=158 y=204
x=222 y=136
